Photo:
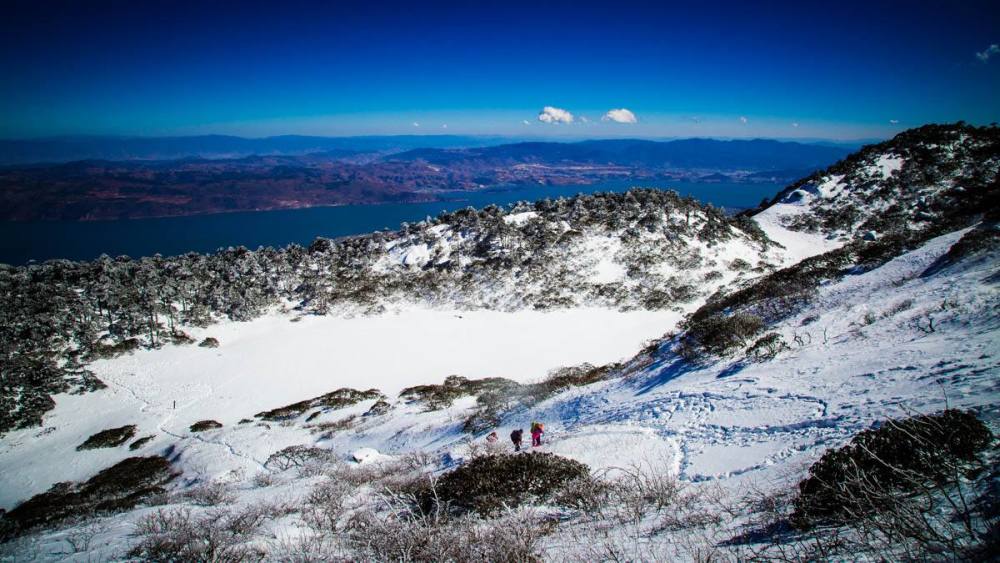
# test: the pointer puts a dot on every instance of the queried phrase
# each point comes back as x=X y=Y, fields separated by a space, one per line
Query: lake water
x=21 y=242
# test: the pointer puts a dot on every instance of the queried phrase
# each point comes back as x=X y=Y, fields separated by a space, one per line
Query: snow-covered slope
x=892 y=310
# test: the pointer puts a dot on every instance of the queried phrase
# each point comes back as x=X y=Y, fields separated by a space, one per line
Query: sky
x=833 y=70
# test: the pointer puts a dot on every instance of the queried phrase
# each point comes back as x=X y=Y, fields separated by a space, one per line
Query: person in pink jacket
x=537 y=429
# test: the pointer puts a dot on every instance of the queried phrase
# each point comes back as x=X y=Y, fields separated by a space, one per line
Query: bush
x=218 y=535
x=211 y=493
x=209 y=342
x=487 y=484
x=298 y=456
x=338 y=399
x=435 y=397
x=379 y=408
x=402 y=534
x=767 y=347
x=111 y=438
x=900 y=456
x=203 y=425
x=141 y=442
x=719 y=334
x=114 y=489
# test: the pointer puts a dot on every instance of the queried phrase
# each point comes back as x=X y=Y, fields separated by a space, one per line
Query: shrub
x=203 y=425
x=114 y=489
x=380 y=407
x=140 y=442
x=719 y=334
x=900 y=456
x=338 y=399
x=403 y=534
x=218 y=535
x=212 y=493
x=297 y=456
x=209 y=342
x=487 y=484
x=111 y=438
x=435 y=397
x=767 y=347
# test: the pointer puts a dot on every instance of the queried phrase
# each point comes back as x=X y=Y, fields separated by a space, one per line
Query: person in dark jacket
x=515 y=437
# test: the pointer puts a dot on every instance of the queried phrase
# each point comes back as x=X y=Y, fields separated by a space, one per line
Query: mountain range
x=316 y=172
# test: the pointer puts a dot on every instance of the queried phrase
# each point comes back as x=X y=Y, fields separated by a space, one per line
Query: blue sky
x=839 y=70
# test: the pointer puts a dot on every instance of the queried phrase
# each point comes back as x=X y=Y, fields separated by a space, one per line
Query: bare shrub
x=306 y=548
x=398 y=531
x=903 y=305
x=263 y=479
x=217 y=535
x=485 y=448
x=325 y=504
x=212 y=493
x=298 y=456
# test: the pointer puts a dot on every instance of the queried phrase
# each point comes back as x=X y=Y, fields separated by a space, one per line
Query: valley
x=700 y=361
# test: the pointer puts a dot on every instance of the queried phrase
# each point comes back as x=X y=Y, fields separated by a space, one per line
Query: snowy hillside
x=694 y=362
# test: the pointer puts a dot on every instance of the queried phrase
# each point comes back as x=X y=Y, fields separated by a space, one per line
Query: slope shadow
x=677 y=367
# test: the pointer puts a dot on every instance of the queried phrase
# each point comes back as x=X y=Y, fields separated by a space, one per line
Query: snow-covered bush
x=398 y=532
x=212 y=493
x=767 y=347
x=298 y=456
x=117 y=488
x=881 y=467
x=110 y=438
x=205 y=425
x=179 y=534
x=491 y=483
x=338 y=399
x=718 y=335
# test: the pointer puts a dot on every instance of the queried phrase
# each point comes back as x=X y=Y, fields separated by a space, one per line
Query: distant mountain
x=754 y=155
x=331 y=171
x=66 y=149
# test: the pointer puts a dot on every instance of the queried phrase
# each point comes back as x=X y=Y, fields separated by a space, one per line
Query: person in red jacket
x=537 y=429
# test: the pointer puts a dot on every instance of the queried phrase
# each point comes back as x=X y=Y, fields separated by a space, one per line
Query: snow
x=271 y=362
x=416 y=255
x=860 y=352
x=366 y=455
x=742 y=419
x=888 y=163
x=519 y=218
x=798 y=245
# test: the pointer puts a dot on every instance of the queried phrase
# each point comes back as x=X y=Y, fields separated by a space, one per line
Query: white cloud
x=444 y=125
x=550 y=114
x=526 y=122
x=993 y=49
x=894 y=122
x=584 y=119
x=620 y=116
x=415 y=124
x=795 y=124
x=743 y=119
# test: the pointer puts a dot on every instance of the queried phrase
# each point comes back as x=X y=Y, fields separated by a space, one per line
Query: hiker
x=492 y=438
x=515 y=437
x=537 y=429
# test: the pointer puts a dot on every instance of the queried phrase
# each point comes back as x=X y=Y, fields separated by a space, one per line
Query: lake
x=21 y=242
